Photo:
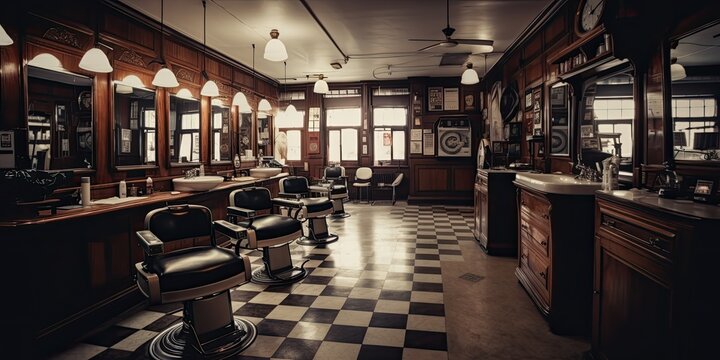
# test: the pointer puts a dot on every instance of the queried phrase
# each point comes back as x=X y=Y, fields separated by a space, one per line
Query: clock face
x=590 y=14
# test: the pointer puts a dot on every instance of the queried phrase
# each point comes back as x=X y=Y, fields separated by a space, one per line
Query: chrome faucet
x=189 y=174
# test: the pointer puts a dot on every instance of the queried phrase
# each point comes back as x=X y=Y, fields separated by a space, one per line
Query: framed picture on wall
x=435 y=99
x=515 y=130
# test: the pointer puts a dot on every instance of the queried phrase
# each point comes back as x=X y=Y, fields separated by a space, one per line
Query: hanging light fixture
x=164 y=77
x=264 y=106
x=321 y=86
x=275 y=49
x=290 y=111
x=5 y=39
x=210 y=88
x=469 y=76
x=94 y=59
x=677 y=71
x=241 y=101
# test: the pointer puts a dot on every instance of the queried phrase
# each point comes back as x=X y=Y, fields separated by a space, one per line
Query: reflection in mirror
x=559 y=119
x=695 y=75
x=60 y=124
x=245 y=137
x=263 y=131
x=135 y=126
x=184 y=129
x=607 y=124
x=220 y=132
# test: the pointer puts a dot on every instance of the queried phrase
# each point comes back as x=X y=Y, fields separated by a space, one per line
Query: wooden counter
x=69 y=273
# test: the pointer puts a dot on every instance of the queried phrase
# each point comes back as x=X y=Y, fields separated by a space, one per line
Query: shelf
x=597 y=64
x=38 y=124
x=594 y=51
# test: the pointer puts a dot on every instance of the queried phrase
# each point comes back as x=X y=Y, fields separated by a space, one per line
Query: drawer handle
x=610 y=223
x=543 y=243
x=543 y=275
x=656 y=242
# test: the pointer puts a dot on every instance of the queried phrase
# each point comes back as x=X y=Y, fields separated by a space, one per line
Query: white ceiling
x=372 y=33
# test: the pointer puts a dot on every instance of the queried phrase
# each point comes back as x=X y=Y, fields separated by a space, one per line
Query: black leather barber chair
x=334 y=186
x=200 y=276
x=272 y=233
x=314 y=210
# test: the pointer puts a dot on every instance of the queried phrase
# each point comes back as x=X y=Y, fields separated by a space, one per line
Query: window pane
x=382 y=145
x=398 y=145
x=625 y=131
x=196 y=147
x=614 y=114
x=349 y=144
x=190 y=121
x=343 y=117
x=149 y=118
x=390 y=116
x=334 y=146
x=216 y=146
x=150 y=143
x=683 y=112
x=285 y=121
x=710 y=107
x=294 y=142
x=185 y=146
x=217 y=120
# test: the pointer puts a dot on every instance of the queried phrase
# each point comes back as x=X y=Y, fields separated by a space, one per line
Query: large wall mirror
x=135 y=126
x=264 y=123
x=220 y=138
x=245 y=137
x=59 y=119
x=695 y=76
x=184 y=130
x=606 y=123
x=560 y=119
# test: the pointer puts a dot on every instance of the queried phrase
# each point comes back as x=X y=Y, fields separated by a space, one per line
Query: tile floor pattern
x=375 y=293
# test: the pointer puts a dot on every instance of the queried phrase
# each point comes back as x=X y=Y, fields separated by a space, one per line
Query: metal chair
x=398 y=179
x=363 y=180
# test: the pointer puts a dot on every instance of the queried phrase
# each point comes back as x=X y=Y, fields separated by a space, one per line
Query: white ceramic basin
x=558 y=184
x=264 y=172
x=198 y=183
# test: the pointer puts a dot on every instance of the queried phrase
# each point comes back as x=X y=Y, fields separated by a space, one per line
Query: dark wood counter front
x=71 y=272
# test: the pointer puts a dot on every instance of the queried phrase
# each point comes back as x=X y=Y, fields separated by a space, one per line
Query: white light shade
x=46 y=61
x=5 y=39
x=275 y=49
x=165 y=78
x=321 y=87
x=677 y=72
x=95 y=60
x=470 y=77
x=185 y=94
x=123 y=89
x=210 y=89
x=217 y=102
x=279 y=119
x=240 y=100
x=262 y=115
x=291 y=111
x=481 y=49
x=133 y=80
x=264 y=105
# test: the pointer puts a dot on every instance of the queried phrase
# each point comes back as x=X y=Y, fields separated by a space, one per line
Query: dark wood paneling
x=463 y=179
x=533 y=47
x=432 y=179
x=184 y=55
x=131 y=32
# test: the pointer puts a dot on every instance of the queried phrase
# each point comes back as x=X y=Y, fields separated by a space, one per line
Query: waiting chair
x=199 y=276
x=398 y=179
x=334 y=185
x=363 y=180
x=314 y=210
x=272 y=233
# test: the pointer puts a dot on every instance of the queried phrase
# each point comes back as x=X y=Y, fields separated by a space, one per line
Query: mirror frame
x=570 y=103
x=113 y=135
x=231 y=132
x=171 y=163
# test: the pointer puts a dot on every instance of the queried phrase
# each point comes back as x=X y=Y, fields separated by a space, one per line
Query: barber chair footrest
x=339 y=215
x=178 y=343
x=260 y=276
x=312 y=240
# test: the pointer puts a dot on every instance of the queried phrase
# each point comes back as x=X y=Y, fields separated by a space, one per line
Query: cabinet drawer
x=537 y=236
x=655 y=237
x=536 y=268
x=534 y=205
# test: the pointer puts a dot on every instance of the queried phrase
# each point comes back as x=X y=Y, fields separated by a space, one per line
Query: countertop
x=158 y=197
x=653 y=201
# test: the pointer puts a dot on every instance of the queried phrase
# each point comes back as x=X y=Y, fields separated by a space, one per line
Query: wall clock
x=588 y=16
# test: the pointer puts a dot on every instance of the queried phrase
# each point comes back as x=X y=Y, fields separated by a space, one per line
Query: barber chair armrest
x=291 y=195
x=288 y=203
x=150 y=243
x=238 y=211
x=227 y=228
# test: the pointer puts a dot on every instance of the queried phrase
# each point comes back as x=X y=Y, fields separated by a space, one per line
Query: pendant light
x=677 y=71
x=290 y=111
x=275 y=49
x=210 y=88
x=164 y=77
x=5 y=39
x=264 y=105
x=321 y=86
x=469 y=76
x=94 y=59
x=241 y=101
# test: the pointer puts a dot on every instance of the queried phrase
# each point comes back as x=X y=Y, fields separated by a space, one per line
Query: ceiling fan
x=450 y=42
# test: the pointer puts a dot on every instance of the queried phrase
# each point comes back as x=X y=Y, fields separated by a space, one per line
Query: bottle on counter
x=85 y=190
x=122 y=191
x=149 y=186
x=202 y=170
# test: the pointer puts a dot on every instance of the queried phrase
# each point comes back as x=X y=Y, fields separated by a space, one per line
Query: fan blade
x=430 y=47
x=438 y=40
x=474 y=42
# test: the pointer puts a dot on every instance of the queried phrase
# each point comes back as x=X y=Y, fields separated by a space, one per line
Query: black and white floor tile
x=377 y=293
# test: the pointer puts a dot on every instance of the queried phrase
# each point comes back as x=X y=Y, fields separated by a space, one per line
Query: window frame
x=392 y=128
x=330 y=128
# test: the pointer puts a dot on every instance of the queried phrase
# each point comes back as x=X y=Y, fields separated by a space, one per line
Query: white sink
x=198 y=183
x=558 y=184
x=264 y=172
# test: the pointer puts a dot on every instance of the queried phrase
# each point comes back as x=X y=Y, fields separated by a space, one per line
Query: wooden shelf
x=586 y=48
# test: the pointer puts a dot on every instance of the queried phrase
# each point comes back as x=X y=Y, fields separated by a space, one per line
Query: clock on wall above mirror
x=588 y=17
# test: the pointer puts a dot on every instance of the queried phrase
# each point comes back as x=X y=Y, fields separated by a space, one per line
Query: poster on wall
x=416 y=147
x=314 y=142
x=435 y=99
x=451 y=97
x=415 y=134
x=428 y=143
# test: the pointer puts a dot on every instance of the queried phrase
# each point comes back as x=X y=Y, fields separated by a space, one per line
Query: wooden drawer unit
x=555 y=262
x=654 y=280
x=495 y=212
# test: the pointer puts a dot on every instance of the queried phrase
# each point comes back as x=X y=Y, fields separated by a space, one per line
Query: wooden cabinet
x=654 y=285
x=495 y=212
x=555 y=259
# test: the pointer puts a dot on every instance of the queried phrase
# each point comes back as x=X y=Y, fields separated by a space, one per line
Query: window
x=615 y=115
x=389 y=133
x=149 y=127
x=190 y=137
x=288 y=138
x=692 y=116
x=343 y=128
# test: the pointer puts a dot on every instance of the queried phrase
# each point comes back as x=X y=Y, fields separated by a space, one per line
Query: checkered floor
x=375 y=293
